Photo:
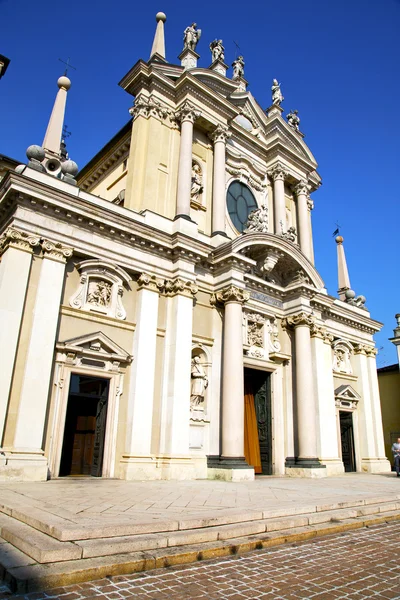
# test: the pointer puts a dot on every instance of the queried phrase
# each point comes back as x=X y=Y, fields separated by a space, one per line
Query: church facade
x=161 y=314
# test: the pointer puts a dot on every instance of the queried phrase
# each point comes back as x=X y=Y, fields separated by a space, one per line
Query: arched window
x=241 y=203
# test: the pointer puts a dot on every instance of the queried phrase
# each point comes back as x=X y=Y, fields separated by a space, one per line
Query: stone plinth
x=219 y=67
x=188 y=58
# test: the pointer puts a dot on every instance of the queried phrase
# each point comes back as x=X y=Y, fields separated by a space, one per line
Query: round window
x=241 y=203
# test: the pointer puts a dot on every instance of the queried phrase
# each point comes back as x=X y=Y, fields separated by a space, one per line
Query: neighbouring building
x=389 y=390
x=161 y=314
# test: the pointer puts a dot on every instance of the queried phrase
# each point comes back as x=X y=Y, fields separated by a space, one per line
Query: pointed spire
x=159 y=42
x=52 y=139
x=343 y=274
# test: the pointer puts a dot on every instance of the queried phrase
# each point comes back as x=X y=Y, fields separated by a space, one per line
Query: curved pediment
x=277 y=259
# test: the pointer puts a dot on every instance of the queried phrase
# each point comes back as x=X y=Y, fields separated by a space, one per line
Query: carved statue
x=99 y=293
x=217 y=50
x=238 y=68
x=293 y=119
x=277 y=97
x=255 y=334
x=199 y=383
x=197 y=182
x=191 y=37
x=258 y=220
x=341 y=359
x=290 y=234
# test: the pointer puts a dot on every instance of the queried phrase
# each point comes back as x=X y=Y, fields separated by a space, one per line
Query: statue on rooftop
x=217 y=50
x=238 y=68
x=191 y=36
x=277 y=97
x=293 y=119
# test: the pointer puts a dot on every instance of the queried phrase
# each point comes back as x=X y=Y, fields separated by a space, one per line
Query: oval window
x=241 y=203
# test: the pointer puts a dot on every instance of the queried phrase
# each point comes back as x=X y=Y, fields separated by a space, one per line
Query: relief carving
x=342 y=352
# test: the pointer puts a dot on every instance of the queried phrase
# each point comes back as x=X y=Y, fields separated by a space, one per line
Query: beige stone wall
x=113 y=182
x=389 y=390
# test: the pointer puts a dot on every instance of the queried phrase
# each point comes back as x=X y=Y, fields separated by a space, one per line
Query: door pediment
x=95 y=345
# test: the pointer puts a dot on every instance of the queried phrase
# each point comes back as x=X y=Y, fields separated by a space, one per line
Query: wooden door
x=262 y=401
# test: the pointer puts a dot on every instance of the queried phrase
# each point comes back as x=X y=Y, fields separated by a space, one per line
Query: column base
x=147 y=468
x=183 y=216
x=225 y=468
x=333 y=466
x=375 y=465
x=310 y=468
x=21 y=465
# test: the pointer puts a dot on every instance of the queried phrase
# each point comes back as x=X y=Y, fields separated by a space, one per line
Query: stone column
x=28 y=438
x=219 y=137
x=303 y=221
x=278 y=175
x=187 y=115
x=307 y=462
x=16 y=250
x=232 y=373
x=174 y=443
x=137 y=462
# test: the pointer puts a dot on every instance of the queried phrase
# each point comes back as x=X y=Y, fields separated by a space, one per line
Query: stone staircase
x=37 y=552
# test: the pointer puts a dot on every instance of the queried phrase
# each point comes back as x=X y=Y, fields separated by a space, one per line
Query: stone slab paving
x=352 y=565
x=99 y=503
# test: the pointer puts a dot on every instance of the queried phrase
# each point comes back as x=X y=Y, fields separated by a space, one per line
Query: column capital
x=148 y=106
x=220 y=134
x=301 y=188
x=187 y=112
x=278 y=172
x=317 y=331
x=150 y=282
x=56 y=250
x=181 y=287
x=302 y=318
x=366 y=350
x=232 y=293
x=16 y=238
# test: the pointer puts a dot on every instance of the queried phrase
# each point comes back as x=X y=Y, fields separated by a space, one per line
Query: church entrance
x=347 y=440
x=85 y=425
x=257 y=421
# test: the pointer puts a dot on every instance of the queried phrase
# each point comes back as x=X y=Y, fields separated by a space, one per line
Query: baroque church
x=161 y=314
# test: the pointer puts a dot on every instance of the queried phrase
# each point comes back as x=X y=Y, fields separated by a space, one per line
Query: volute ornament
x=301 y=318
x=301 y=188
x=278 y=171
x=56 y=250
x=150 y=282
x=220 y=134
x=231 y=293
x=187 y=112
x=148 y=106
x=19 y=239
x=180 y=286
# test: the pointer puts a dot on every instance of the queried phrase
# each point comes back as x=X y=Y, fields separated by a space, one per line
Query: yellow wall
x=389 y=389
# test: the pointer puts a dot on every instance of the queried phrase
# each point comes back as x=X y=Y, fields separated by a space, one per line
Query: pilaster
x=174 y=445
x=16 y=257
x=382 y=464
x=138 y=462
x=26 y=459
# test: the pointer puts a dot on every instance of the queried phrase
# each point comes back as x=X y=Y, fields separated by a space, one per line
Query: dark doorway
x=258 y=437
x=347 y=438
x=85 y=426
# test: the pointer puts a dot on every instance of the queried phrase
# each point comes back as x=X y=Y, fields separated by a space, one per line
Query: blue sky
x=338 y=63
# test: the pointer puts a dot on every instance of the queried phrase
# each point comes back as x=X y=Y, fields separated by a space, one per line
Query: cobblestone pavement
x=353 y=565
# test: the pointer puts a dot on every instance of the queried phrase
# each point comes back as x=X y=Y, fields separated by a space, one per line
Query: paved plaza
x=352 y=565
x=90 y=501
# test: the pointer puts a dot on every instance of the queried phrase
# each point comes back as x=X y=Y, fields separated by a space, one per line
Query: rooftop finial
x=159 y=41
x=345 y=292
x=52 y=139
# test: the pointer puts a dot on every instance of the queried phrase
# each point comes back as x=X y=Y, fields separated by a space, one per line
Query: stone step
x=45 y=548
x=24 y=574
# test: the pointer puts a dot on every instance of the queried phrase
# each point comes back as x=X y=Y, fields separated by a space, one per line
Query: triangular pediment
x=251 y=112
x=346 y=392
x=95 y=344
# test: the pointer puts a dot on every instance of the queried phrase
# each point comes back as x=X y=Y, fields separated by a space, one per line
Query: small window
x=241 y=203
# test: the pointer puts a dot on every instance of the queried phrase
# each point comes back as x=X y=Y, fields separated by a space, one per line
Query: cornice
x=107 y=221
